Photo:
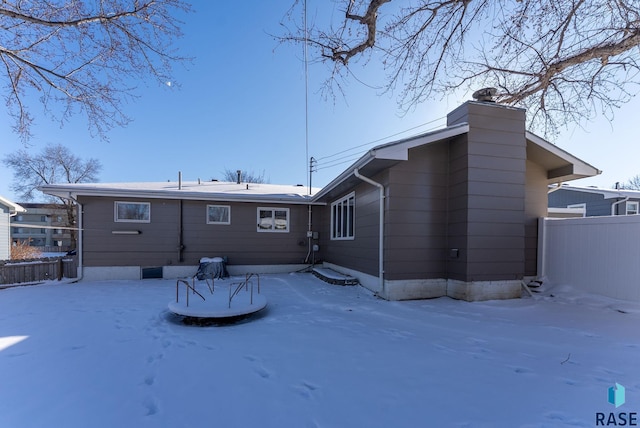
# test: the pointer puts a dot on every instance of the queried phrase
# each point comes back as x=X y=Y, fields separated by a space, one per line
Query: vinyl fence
x=597 y=254
x=28 y=271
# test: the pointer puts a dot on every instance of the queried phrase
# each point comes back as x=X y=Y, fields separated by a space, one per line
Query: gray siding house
x=595 y=201
x=447 y=213
x=8 y=209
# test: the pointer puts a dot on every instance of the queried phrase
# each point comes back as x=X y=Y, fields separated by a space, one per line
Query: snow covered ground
x=109 y=354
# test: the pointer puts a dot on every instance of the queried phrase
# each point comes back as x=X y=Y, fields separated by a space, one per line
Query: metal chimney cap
x=485 y=94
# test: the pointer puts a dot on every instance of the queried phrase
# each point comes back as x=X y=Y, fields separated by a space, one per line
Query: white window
x=579 y=207
x=343 y=217
x=632 y=207
x=133 y=212
x=218 y=214
x=273 y=219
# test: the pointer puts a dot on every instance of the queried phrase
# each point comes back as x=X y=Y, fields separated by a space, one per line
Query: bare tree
x=56 y=164
x=245 y=177
x=83 y=57
x=562 y=60
x=631 y=184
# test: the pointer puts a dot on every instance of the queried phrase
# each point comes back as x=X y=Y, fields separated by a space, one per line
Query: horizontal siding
x=360 y=253
x=5 y=237
x=494 y=193
x=416 y=223
x=159 y=241
x=597 y=205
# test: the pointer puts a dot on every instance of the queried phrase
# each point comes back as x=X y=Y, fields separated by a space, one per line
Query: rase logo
x=617 y=397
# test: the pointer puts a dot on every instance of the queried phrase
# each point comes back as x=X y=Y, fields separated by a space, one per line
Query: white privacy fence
x=596 y=254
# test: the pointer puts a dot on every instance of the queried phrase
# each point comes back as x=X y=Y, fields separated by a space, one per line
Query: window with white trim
x=218 y=214
x=343 y=217
x=273 y=219
x=633 y=207
x=132 y=212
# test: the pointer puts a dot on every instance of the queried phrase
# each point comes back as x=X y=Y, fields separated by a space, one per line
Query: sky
x=241 y=105
x=110 y=354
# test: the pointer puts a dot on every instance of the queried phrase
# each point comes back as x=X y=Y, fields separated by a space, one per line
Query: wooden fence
x=27 y=271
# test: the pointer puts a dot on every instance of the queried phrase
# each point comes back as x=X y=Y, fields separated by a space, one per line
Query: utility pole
x=312 y=163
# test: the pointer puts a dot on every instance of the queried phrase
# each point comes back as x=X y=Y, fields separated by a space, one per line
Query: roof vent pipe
x=239 y=173
x=179 y=180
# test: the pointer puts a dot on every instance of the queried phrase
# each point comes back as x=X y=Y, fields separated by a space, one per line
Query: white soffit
x=580 y=167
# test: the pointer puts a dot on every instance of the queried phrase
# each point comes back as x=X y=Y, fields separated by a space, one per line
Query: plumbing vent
x=485 y=95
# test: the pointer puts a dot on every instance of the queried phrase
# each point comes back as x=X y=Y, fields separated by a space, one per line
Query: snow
x=224 y=300
x=110 y=354
x=205 y=190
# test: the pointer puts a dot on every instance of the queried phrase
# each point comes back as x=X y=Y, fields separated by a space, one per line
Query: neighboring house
x=593 y=201
x=8 y=209
x=448 y=213
x=44 y=226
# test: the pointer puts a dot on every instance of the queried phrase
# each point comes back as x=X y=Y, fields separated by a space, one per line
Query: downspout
x=381 y=238
x=80 y=239
x=613 y=205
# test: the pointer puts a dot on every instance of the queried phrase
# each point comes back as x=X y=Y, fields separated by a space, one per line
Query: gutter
x=613 y=205
x=381 y=238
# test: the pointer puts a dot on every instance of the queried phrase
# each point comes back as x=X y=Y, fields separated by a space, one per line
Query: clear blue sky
x=241 y=105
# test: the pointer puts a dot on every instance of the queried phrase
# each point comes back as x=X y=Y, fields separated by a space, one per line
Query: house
x=593 y=201
x=452 y=212
x=8 y=209
x=44 y=226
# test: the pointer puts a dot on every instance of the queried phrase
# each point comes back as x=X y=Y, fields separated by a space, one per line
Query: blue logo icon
x=616 y=395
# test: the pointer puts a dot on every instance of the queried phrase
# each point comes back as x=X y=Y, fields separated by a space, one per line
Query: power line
x=379 y=139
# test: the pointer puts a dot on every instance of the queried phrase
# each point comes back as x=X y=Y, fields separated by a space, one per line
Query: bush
x=22 y=250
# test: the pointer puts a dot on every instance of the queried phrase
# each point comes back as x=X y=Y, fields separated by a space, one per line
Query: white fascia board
x=580 y=167
x=606 y=193
x=73 y=193
x=13 y=207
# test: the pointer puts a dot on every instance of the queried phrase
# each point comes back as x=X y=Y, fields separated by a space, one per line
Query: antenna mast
x=306 y=95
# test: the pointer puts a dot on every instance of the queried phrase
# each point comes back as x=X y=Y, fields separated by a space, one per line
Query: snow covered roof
x=607 y=193
x=201 y=190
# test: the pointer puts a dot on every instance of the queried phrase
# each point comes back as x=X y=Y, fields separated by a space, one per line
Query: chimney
x=239 y=172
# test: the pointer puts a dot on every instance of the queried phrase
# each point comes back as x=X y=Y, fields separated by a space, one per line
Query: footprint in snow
x=258 y=367
x=306 y=389
x=151 y=407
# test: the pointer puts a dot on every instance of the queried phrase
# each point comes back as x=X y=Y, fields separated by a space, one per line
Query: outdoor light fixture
x=125 y=232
